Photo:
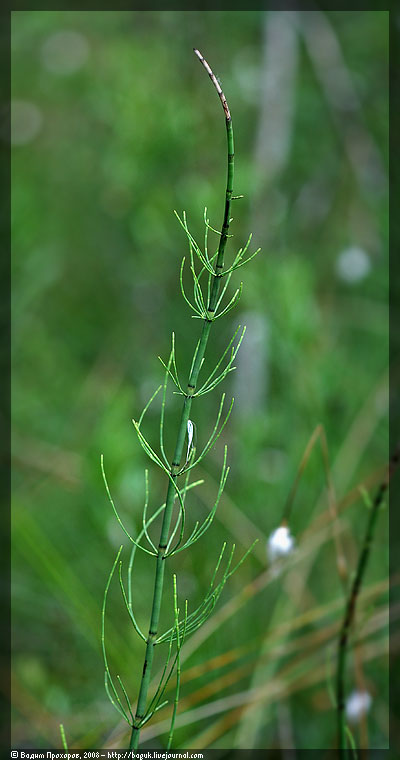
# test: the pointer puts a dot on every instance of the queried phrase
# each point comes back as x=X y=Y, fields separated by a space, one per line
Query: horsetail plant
x=342 y=708
x=210 y=282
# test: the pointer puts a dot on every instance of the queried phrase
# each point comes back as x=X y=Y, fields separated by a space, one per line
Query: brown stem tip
x=215 y=83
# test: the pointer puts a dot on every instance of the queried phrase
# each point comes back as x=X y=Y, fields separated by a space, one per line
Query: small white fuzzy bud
x=357 y=705
x=280 y=543
x=190 y=438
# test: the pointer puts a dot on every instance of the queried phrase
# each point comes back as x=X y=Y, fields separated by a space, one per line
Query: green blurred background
x=114 y=125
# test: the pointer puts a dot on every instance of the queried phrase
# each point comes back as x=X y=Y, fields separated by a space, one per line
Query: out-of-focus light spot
x=353 y=264
x=64 y=52
x=26 y=122
x=357 y=705
x=280 y=543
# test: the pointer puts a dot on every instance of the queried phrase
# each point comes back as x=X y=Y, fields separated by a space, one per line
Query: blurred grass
x=123 y=128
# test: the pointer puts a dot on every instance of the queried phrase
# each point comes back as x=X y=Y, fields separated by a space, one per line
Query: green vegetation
x=108 y=140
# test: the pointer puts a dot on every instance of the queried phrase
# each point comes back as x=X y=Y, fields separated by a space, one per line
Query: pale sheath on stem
x=210 y=282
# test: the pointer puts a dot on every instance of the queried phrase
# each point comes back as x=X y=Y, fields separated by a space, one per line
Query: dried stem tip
x=215 y=83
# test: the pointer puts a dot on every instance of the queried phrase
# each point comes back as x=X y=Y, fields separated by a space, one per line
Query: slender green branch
x=162 y=416
x=134 y=541
x=108 y=681
x=178 y=519
x=179 y=642
x=146 y=504
x=63 y=738
x=198 y=531
x=352 y=600
x=140 y=536
x=205 y=608
x=129 y=606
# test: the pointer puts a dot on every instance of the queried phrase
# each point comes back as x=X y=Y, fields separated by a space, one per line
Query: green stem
x=351 y=605
x=192 y=383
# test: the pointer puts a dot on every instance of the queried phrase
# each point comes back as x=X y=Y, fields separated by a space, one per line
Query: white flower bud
x=280 y=543
x=190 y=439
x=357 y=705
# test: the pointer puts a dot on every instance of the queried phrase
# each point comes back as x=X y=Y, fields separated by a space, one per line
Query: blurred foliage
x=114 y=126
